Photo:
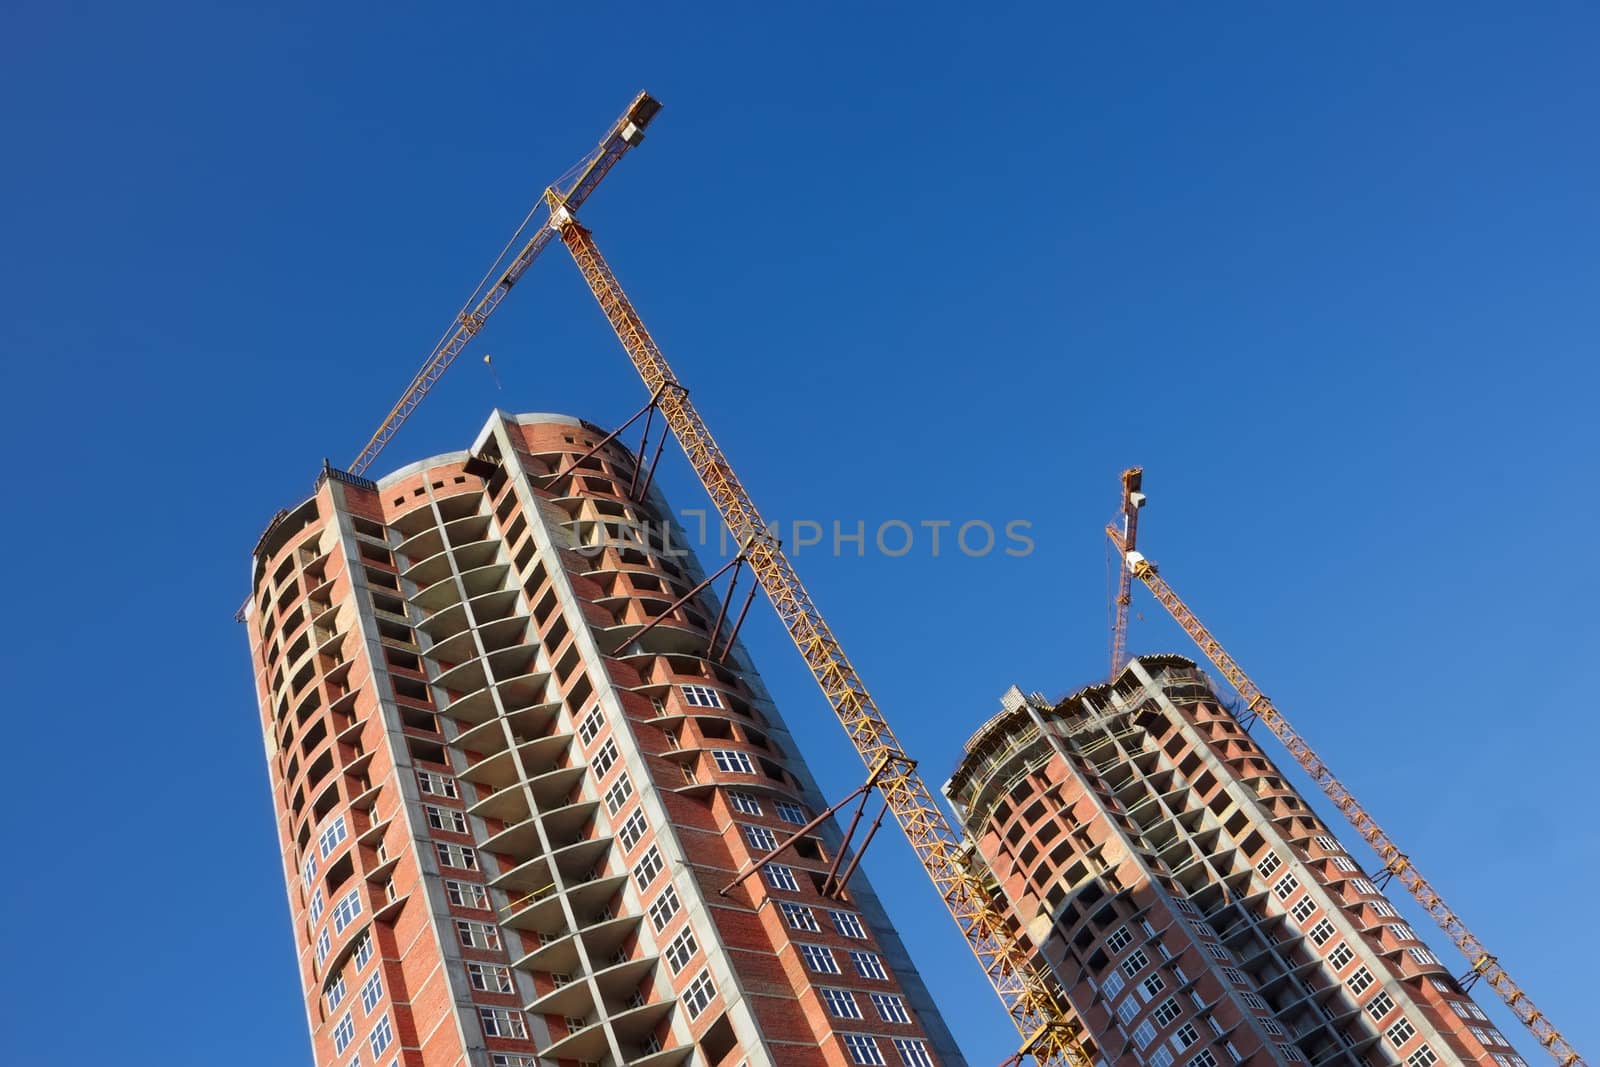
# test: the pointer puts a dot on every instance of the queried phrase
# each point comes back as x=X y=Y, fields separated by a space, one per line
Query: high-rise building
x=516 y=758
x=1192 y=906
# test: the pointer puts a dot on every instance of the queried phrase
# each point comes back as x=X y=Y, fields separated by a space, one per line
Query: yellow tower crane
x=1484 y=965
x=1030 y=994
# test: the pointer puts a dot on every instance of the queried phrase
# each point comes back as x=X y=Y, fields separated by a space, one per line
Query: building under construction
x=518 y=757
x=1193 y=908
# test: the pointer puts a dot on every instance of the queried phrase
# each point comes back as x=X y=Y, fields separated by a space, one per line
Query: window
x=699 y=696
x=819 y=959
x=477 y=935
x=1127 y=1010
x=1221 y=954
x=1423 y=1057
x=466 y=894
x=604 y=759
x=868 y=965
x=1422 y=956
x=1165 y=1012
x=1254 y=1001
x=345 y=912
x=913 y=1053
x=308 y=871
x=363 y=951
x=648 y=867
x=334 y=993
x=508 y=1059
x=682 y=950
x=1152 y=985
x=619 y=793
x=1235 y=976
x=1401 y=1032
x=744 y=803
x=372 y=992
x=1344 y=863
x=1135 y=963
x=790 y=812
x=1321 y=932
x=1285 y=886
x=1272 y=1027
x=450 y=819
x=502 y=1022
x=1186 y=1035
x=488 y=978
x=1361 y=885
x=1119 y=939
x=799 y=917
x=1341 y=956
x=699 y=994
x=1145 y=1034
x=732 y=761
x=841 y=1003
x=1360 y=981
x=1204 y=1059
x=1161 y=1057
x=664 y=908
x=1402 y=932
x=760 y=838
x=344 y=1033
x=314 y=912
x=329 y=839
x=1383 y=908
x=381 y=1036
x=780 y=877
x=324 y=943
x=862 y=1049
x=632 y=830
x=458 y=856
x=891 y=1009
x=1326 y=843
x=848 y=923
x=589 y=728
x=1290 y=1054
x=1269 y=864
x=1302 y=909
x=1113 y=984
x=1379 y=1006
x=439 y=785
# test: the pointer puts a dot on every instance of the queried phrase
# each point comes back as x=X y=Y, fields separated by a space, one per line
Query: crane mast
x=1486 y=966
x=1132 y=501
x=1030 y=995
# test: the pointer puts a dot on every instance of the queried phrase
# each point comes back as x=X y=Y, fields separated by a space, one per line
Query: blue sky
x=1327 y=273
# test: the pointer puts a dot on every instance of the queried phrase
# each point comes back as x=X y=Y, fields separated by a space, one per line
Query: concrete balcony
x=510 y=804
x=536 y=757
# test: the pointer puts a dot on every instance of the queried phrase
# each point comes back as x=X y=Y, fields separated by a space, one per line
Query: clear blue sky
x=1327 y=271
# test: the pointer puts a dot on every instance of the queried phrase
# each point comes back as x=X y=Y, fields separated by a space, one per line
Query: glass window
x=863 y=1050
x=371 y=992
x=648 y=867
x=868 y=965
x=682 y=950
x=344 y=1033
x=744 y=803
x=699 y=994
x=819 y=959
x=780 y=877
x=913 y=1053
x=799 y=917
x=732 y=761
x=891 y=1009
x=841 y=1003
x=848 y=923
